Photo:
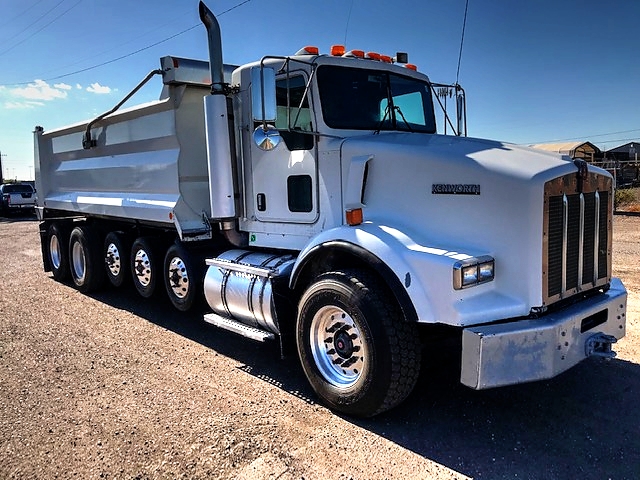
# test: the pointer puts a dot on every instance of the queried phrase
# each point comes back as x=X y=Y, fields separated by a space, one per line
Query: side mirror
x=263 y=94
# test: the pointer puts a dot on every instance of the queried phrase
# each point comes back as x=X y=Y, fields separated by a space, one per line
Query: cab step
x=238 y=327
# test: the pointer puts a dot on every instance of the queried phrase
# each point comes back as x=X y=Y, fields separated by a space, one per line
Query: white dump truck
x=311 y=201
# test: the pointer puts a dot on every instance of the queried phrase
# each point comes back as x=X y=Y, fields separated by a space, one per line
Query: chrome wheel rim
x=142 y=268
x=178 y=278
x=78 y=262
x=337 y=346
x=113 y=260
x=54 y=252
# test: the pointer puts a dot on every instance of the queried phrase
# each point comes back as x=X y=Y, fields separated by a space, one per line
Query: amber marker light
x=356 y=53
x=354 y=216
x=337 y=50
x=411 y=66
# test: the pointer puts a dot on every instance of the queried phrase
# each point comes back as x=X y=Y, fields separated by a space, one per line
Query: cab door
x=285 y=179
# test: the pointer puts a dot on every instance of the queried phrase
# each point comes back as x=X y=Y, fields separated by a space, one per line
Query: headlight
x=473 y=271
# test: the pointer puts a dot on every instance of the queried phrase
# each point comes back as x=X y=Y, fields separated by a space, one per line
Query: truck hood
x=466 y=195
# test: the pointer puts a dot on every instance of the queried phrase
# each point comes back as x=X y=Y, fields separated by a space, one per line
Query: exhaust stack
x=215 y=48
x=216 y=117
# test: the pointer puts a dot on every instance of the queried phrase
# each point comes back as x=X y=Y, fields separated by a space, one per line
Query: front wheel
x=357 y=351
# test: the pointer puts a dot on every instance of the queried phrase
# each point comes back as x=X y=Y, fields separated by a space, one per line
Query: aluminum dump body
x=149 y=162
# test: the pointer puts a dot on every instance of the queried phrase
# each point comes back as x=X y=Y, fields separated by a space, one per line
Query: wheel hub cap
x=178 y=277
x=142 y=268
x=113 y=260
x=337 y=346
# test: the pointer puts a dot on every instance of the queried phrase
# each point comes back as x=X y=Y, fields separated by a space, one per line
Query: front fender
x=419 y=274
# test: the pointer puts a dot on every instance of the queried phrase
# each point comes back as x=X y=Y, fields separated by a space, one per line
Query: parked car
x=17 y=197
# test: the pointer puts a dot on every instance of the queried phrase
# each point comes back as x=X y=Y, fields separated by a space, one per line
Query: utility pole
x=1 y=169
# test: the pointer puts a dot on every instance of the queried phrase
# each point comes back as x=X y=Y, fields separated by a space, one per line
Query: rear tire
x=85 y=259
x=57 y=249
x=145 y=267
x=182 y=277
x=116 y=258
x=357 y=351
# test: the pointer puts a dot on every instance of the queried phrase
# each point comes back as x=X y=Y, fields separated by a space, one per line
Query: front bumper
x=528 y=350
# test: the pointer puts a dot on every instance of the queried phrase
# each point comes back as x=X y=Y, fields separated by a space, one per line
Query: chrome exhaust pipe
x=215 y=48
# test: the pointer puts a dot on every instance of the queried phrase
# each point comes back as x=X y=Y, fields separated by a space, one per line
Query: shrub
x=624 y=197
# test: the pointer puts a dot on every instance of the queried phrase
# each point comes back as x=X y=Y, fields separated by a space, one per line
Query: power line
x=41 y=28
x=20 y=14
x=39 y=18
x=588 y=136
x=128 y=54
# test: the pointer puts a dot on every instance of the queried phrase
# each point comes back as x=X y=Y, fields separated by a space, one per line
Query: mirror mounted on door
x=263 y=106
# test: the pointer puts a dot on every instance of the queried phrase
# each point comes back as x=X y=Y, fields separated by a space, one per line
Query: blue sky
x=533 y=71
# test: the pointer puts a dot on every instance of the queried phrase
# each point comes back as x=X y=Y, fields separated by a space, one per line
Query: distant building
x=627 y=152
x=585 y=150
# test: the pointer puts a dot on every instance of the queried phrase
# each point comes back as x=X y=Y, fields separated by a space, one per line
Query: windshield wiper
x=387 y=110
x=397 y=109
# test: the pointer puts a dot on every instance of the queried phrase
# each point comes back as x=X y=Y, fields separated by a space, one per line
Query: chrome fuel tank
x=239 y=285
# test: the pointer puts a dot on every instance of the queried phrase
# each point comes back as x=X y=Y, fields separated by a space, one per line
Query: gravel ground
x=110 y=386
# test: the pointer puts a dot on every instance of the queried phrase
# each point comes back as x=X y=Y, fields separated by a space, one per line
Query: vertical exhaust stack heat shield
x=221 y=184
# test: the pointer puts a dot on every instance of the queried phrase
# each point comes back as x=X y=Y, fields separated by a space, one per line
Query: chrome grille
x=577 y=235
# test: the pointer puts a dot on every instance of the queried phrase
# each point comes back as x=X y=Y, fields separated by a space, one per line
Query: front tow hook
x=599 y=345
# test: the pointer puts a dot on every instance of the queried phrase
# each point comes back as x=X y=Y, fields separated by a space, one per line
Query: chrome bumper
x=528 y=350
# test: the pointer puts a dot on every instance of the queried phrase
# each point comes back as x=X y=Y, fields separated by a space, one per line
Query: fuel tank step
x=238 y=327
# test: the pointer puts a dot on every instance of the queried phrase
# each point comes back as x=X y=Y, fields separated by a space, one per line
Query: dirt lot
x=109 y=386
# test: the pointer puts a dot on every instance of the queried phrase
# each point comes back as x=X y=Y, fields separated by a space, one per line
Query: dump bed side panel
x=149 y=164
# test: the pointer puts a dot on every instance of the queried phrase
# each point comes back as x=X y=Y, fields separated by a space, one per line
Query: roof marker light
x=337 y=50
x=411 y=66
x=354 y=53
x=386 y=59
x=308 y=50
x=373 y=56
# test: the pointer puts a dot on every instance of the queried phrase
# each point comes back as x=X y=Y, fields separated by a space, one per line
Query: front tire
x=85 y=260
x=357 y=351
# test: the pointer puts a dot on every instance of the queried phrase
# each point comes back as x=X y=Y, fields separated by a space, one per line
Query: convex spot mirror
x=266 y=138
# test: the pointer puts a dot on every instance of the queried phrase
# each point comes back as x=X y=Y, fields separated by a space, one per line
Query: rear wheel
x=85 y=260
x=144 y=265
x=182 y=277
x=57 y=245
x=357 y=351
x=116 y=258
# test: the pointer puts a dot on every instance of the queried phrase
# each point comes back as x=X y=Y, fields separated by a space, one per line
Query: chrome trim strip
x=565 y=227
x=580 y=245
x=596 y=238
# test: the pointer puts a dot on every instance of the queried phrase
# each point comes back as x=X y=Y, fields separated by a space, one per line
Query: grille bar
x=577 y=236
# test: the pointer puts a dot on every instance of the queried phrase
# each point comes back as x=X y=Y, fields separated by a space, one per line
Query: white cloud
x=62 y=86
x=22 y=105
x=40 y=90
x=78 y=86
x=99 y=89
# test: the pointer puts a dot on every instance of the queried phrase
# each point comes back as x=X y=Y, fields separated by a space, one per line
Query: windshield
x=360 y=99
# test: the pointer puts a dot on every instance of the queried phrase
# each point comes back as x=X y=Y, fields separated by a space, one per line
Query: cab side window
x=294 y=122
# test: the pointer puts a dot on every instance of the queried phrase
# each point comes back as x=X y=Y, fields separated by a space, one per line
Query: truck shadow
x=583 y=424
